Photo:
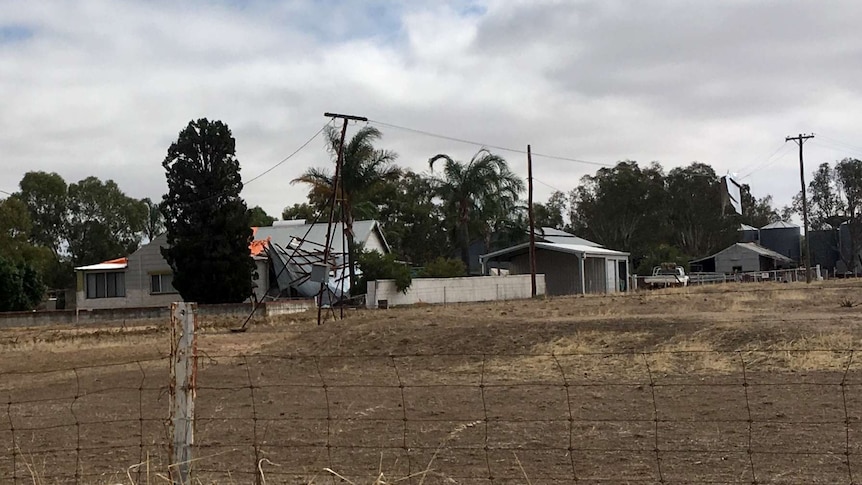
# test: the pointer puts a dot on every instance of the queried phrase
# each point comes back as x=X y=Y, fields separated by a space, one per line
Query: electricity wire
x=488 y=145
x=767 y=163
x=301 y=147
x=270 y=169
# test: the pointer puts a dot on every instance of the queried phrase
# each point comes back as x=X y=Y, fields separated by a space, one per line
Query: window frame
x=161 y=286
x=105 y=284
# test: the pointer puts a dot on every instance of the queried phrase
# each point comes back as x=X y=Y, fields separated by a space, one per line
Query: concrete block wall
x=207 y=314
x=453 y=290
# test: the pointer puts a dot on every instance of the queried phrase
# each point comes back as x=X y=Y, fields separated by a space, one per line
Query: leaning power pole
x=336 y=185
x=800 y=140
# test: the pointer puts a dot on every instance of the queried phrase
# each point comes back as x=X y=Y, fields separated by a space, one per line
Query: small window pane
x=155 y=284
x=91 y=285
x=121 y=284
x=111 y=284
x=100 y=285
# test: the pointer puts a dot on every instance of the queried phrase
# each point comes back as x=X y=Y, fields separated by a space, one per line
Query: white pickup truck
x=666 y=276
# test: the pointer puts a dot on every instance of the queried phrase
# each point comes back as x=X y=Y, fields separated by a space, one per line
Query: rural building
x=144 y=278
x=784 y=238
x=824 y=247
x=743 y=257
x=748 y=233
x=571 y=265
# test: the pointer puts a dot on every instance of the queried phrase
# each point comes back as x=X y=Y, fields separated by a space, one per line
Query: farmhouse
x=571 y=265
x=144 y=278
x=743 y=257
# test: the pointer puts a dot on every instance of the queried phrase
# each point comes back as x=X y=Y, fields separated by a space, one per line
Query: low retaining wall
x=149 y=315
x=453 y=290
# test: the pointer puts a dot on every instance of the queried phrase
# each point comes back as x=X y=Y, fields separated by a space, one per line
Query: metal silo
x=748 y=233
x=783 y=238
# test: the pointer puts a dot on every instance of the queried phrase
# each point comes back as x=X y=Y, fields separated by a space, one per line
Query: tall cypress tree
x=206 y=221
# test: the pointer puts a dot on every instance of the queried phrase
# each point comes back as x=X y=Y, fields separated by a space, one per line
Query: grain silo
x=783 y=238
x=848 y=261
x=748 y=233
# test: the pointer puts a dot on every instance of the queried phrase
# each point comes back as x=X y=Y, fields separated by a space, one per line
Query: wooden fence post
x=183 y=377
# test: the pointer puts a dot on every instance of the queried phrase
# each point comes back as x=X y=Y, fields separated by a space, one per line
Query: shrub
x=444 y=268
x=377 y=266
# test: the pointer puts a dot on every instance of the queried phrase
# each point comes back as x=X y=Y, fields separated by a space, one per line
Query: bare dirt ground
x=715 y=384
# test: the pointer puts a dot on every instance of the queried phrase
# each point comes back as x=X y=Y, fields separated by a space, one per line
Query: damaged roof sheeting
x=295 y=249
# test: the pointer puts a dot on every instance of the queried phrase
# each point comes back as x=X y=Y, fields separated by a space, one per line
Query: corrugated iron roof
x=549 y=234
x=751 y=246
x=746 y=227
x=780 y=225
x=315 y=234
x=578 y=249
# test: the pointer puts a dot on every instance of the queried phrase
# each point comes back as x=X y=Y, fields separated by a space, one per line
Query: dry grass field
x=754 y=383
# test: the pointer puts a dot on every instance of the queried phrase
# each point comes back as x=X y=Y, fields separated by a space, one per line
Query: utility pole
x=532 y=222
x=800 y=140
x=336 y=183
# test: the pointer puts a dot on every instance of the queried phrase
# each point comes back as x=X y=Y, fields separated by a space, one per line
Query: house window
x=106 y=285
x=162 y=283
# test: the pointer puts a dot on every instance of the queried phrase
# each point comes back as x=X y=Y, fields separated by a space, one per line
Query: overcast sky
x=103 y=87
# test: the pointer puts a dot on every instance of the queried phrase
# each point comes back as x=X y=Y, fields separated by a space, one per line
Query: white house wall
x=454 y=290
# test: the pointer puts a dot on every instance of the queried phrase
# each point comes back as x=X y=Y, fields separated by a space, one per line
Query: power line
x=488 y=145
x=270 y=169
x=301 y=147
x=4 y=192
x=548 y=185
x=765 y=163
x=839 y=142
x=835 y=146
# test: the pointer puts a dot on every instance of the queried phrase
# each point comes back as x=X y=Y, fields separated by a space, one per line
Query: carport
x=569 y=269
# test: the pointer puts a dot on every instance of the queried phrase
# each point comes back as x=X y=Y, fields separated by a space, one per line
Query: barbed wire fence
x=682 y=416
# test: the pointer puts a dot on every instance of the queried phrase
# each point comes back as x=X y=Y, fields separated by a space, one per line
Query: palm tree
x=364 y=169
x=480 y=194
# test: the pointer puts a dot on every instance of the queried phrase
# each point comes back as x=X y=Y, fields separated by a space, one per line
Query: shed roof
x=746 y=227
x=750 y=246
x=577 y=249
x=780 y=225
x=549 y=234
x=315 y=234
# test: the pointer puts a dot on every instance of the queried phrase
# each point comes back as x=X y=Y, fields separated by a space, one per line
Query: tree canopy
x=103 y=223
x=364 y=171
x=207 y=222
x=478 y=196
x=21 y=287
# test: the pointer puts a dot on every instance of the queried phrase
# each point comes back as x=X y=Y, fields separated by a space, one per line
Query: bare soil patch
x=729 y=383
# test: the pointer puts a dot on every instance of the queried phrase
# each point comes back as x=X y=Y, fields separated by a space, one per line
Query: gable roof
x=577 y=249
x=315 y=234
x=750 y=246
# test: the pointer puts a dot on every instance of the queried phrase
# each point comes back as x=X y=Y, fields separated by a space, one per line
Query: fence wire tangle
x=788 y=416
